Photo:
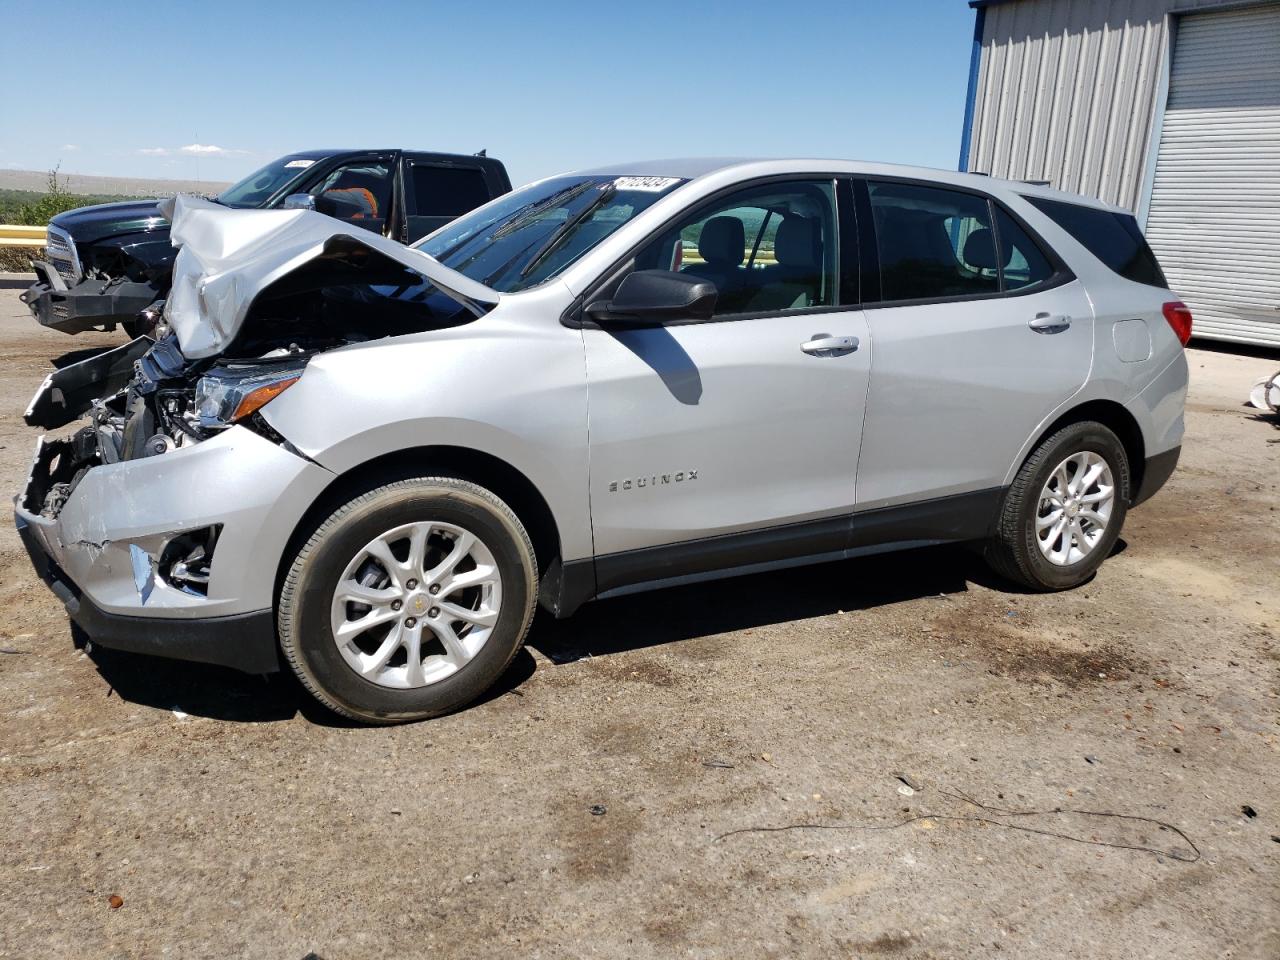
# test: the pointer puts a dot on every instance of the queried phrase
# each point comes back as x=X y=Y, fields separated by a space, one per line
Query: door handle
x=825 y=345
x=1050 y=323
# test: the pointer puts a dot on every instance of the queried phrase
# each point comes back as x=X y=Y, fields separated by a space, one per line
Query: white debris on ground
x=1265 y=394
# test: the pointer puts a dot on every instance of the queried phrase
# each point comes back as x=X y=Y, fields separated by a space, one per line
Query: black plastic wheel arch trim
x=1156 y=471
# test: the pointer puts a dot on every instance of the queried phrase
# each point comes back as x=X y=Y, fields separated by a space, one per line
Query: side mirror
x=299 y=201
x=649 y=297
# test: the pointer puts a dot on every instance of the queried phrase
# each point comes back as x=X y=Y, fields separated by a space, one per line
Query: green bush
x=55 y=200
x=18 y=259
x=33 y=208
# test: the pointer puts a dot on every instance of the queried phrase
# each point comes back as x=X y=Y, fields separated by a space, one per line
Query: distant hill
x=83 y=184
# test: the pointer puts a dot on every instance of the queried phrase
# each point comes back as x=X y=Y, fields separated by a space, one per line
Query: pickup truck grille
x=60 y=250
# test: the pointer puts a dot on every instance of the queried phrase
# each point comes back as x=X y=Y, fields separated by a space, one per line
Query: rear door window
x=933 y=243
x=1112 y=237
x=1024 y=262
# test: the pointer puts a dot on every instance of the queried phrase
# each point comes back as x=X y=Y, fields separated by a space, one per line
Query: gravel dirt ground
x=947 y=729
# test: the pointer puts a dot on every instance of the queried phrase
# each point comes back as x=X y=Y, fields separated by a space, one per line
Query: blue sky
x=215 y=90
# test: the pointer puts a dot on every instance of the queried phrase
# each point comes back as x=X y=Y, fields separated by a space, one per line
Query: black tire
x=303 y=612
x=1014 y=553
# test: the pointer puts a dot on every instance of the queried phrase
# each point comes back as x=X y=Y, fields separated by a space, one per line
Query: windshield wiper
x=566 y=195
x=606 y=192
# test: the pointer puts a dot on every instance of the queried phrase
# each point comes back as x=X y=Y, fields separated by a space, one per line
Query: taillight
x=1179 y=316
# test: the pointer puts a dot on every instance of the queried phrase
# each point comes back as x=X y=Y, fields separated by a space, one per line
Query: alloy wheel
x=416 y=604
x=1075 y=507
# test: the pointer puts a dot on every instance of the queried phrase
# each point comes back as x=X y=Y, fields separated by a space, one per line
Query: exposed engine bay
x=147 y=398
x=255 y=296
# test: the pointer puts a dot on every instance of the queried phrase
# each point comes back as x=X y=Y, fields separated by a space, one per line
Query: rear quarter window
x=1114 y=238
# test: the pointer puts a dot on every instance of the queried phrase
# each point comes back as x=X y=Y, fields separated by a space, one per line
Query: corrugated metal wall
x=1066 y=92
x=1215 y=200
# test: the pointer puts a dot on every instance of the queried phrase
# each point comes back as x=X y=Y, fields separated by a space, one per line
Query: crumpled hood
x=226 y=257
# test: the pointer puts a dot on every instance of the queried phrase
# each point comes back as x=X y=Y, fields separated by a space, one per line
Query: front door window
x=767 y=249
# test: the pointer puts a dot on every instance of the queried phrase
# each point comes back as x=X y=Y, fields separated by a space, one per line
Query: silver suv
x=372 y=461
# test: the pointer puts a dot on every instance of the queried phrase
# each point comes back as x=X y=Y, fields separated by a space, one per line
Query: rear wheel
x=409 y=601
x=1063 y=512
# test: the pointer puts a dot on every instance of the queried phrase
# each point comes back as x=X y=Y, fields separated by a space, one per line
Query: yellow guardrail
x=17 y=235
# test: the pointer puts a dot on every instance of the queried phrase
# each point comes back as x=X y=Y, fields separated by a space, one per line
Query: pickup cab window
x=359 y=193
x=440 y=191
x=435 y=193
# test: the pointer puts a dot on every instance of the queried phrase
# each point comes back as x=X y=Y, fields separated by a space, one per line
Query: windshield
x=529 y=236
x=261 y=185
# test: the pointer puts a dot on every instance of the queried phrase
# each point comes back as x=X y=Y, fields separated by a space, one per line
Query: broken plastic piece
x=1265 y=394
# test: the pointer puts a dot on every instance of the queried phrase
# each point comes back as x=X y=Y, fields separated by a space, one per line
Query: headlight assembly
x=227 y=395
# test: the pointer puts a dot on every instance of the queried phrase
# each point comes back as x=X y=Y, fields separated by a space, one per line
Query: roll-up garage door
x=1214 y=218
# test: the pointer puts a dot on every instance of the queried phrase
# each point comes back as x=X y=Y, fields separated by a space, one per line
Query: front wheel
x=1062 y=514
x=409 y=601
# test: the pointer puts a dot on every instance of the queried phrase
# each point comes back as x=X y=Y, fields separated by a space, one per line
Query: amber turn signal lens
x=258 y=398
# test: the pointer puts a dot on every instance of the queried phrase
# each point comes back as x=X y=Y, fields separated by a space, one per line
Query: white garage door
x=1214 y=220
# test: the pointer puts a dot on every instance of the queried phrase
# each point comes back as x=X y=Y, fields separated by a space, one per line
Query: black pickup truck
x=107 y=263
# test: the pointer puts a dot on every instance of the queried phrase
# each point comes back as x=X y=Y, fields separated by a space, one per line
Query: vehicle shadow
x=599 y=629
x=219 y=693
x=17 y=283
x=721 y=606
x=664 y=355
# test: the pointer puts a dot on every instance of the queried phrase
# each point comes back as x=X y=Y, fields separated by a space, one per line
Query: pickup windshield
x=527 y=237
x=261 y=185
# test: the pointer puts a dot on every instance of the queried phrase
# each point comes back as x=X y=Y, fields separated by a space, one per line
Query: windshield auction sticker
x=645 y=184
x=298 y=163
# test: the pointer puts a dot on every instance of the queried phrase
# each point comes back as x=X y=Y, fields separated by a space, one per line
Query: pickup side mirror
x=299 y=201
x=649 y=297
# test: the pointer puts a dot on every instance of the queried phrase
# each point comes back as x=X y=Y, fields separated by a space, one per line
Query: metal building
x=1168 y=107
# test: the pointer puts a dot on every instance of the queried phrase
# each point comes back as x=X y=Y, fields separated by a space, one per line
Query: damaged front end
x=256 y=294
x=170 y=468
x=144 y=399
x=151 y=519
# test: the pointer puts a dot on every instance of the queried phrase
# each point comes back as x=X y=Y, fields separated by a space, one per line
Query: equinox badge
x=654 y=480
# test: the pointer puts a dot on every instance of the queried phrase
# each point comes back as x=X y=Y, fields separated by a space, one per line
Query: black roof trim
x=336 y=152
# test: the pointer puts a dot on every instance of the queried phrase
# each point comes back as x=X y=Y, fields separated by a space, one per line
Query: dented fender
x=511 y=386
